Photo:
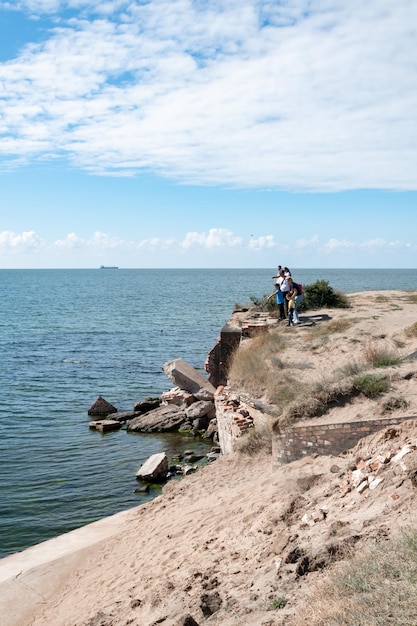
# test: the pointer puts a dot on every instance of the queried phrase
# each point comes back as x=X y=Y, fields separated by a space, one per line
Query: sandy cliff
x=222 y=545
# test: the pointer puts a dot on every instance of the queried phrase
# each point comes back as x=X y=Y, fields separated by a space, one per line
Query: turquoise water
x=68 y=336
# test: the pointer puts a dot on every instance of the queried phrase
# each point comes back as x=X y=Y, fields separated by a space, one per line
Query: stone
x=204 y=394
x=143 y=489
x=187 y=620
x=101 y=408
x=210 y=603
x=147 y=405
x=186 y=377
x=200 y=423
x=199 y=409
x=374 y=482
x=177 y=396
x=154 y=468
x=211 y=429
x=167 y=418
x=105 y=426
x=124 y=416
x=404 y=450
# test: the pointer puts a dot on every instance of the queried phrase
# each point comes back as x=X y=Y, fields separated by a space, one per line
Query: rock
x=189 y=469
x=200 y=423
x=187 y=620
x=213 y=456
x=191 y=457
x=101 y=408
x=199 y=409
x=212 y=429
x=105 y=426
x=125 y=416
x=154 y=468
x=143 y=489
x=186 y=377
x=177 y=396
x=210 y=603
x=163 y=419
x=147 y=405
x=203 y=394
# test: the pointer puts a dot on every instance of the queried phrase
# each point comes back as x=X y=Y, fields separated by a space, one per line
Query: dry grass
x=411 y=331
x=373 y=589
x=394 y=403
x=256 y=364
x=257 y=441
x=381 y=356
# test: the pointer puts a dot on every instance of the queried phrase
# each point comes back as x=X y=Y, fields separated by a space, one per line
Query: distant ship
x=109 y=267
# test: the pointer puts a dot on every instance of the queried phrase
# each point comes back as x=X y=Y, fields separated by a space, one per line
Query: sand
x=221 y=545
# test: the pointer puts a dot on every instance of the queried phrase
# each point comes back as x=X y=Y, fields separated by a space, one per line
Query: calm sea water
x=68 y=336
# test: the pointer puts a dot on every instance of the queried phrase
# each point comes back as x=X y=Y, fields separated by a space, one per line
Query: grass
x=255 y=366
x=411 y=331
x=257 y=440
x=353 y=368
x=278 y=603
x=381 y=357
x=377 y=588
x=394 y=403
x=370 y=385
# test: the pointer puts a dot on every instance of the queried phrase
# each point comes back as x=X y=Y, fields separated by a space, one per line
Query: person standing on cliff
x=285 y=288
x=279 y=268
x=280 y=301
x=295 y=295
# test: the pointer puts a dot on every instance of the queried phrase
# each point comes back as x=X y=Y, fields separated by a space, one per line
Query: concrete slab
x=30 y=579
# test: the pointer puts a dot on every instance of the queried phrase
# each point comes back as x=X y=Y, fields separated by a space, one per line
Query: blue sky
x=180 y=133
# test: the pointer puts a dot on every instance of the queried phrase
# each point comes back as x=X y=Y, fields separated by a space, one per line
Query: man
x=285 y=288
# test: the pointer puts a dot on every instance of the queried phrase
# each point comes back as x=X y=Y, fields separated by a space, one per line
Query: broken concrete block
x=105 y=426
x=185 y=376
x=374 y=482
x=154 y=468
x=363 y=485
x=404 y=450
x=357 y=477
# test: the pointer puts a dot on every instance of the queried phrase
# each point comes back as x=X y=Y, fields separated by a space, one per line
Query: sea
x=69 y=336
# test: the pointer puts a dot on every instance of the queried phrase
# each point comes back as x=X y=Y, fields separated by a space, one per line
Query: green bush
x=316 y=296
x=320 y=294
x=370 y=385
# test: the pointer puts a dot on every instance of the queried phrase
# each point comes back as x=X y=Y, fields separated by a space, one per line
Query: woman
x=296 y=295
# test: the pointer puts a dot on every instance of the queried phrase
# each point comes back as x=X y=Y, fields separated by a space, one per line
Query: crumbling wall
x=294 y=442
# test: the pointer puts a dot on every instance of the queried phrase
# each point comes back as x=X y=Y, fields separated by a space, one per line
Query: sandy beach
x=215 y=548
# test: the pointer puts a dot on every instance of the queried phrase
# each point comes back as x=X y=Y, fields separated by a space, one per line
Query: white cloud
x=370 y=245
x=76 y=250
x=27 y=241
x=265 y=241
x=215 y=238
x=311 y=95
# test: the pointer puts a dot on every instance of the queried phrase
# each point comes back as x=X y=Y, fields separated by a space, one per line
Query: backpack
x=299 y=288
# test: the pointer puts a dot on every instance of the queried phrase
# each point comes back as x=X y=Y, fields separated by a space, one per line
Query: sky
x=208 y=133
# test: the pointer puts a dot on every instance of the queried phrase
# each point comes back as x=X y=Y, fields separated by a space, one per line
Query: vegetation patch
x=321 y=295
x=370 y=385
x=353 y=368
x=381 y=357
x=255 y=365
x=378 y=588
x=411 y=331
x=394 y=403
x=278 y=603
x=256 y=441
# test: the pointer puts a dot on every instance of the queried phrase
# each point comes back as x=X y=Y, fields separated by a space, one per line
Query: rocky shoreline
x=188 y=408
